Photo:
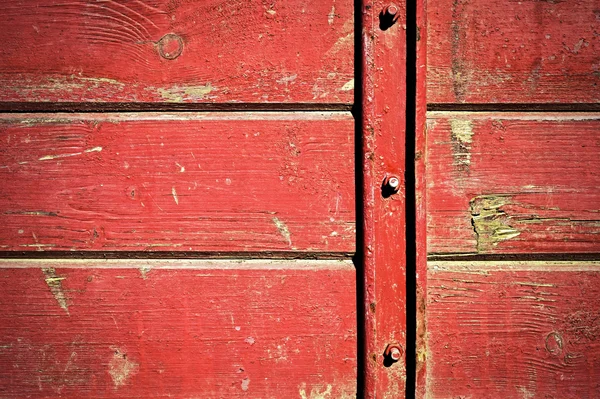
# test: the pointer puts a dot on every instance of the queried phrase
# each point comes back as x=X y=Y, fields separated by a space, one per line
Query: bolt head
x=392 y=9
x=395 y=354
x=394 y=182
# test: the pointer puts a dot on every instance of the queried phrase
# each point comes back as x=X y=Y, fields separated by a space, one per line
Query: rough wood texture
x=420 y=198
x=177 y=51
x=514 y=330
x=181 y=182
x=384 y=224
x=186 y=329
x=490 y=51
x=507 y=183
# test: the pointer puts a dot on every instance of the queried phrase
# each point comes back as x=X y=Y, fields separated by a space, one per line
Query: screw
x=392 y=183
x=392 y=12
x=393 y=352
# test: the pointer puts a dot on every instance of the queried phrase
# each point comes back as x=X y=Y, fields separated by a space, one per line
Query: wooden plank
x=177 y=51
x=520 y=330
x=140 y=329
x=181 y=182
x=384 y=48
x=420 y=198
x=513 y=183
x=513 y=52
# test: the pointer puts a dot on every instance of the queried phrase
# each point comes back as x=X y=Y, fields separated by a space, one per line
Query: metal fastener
x=391 y=12
x=393 y=352
x=391 y=184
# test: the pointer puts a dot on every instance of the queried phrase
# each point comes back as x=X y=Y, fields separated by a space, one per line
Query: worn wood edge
x=482 y=267
x=193 y=264
x=546 y=116
x=168 y=107
x=511 y=107
x=53 y=118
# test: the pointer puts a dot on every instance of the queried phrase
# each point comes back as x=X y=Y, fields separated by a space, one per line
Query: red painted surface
x=384 y=247
x=177 y=51
x=514 y=329
x=177 y=182
x=139 y=329
x=513 y=183
x=177 y=185
x=513 y=52
x=420 y=154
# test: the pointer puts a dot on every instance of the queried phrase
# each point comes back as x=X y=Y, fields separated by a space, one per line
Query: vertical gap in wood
x=359 y=183
x=410 y=178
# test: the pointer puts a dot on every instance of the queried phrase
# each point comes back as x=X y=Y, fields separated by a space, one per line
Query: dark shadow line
x=410 y=179
x=357 y=111
x=516 y=107
x=31 y=107
x=282 y=255
x=515 y=257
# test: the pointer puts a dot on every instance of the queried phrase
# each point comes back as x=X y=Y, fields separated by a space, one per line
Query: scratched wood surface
x=177 y=51
x=177 y=182
x=489 y=51
x=513 y=183
x=186 y=329
x=514 y=330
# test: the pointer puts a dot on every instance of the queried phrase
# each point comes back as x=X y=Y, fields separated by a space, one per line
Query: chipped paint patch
x=144 y=272
x=283 y=230
x=316 y=392
x=245 y=384
x=174 y=194
x=462 y=137
x=120 y=368
x=179 y=94
x=331 y=15
x=490 y=222
x=73 y=154
x=54 y=282
x=348 y=86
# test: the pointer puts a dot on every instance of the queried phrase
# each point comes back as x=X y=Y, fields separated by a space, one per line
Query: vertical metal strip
x=383 y=41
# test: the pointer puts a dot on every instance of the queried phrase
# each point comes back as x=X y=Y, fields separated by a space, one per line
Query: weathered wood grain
x=177 y=51
x=177 y=182
x=188 y=329
x=529 y=330
x=489 y=51
x=502 y=183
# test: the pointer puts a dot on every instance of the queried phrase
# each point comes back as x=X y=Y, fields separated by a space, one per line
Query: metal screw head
x=391 y=184
x=394 y=352
x=392 y=12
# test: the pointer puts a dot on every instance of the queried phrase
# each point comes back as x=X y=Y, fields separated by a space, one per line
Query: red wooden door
x=177 y=204
x=509 y=295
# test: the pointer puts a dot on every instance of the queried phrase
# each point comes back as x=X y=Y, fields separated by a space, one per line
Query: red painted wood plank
x=180 y=182
x=384 y=213
x=177 y=51
x=502 y=183
x=420 y=198
x=140 y=329
x=513 y=52
x=515 y=330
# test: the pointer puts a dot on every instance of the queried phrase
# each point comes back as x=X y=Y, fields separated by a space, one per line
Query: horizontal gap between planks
x=516 y=107
x=526 y=257
x=525 y=115
x=193 y=264
x=170 y=255
x=41 y=107
x=482 y=267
